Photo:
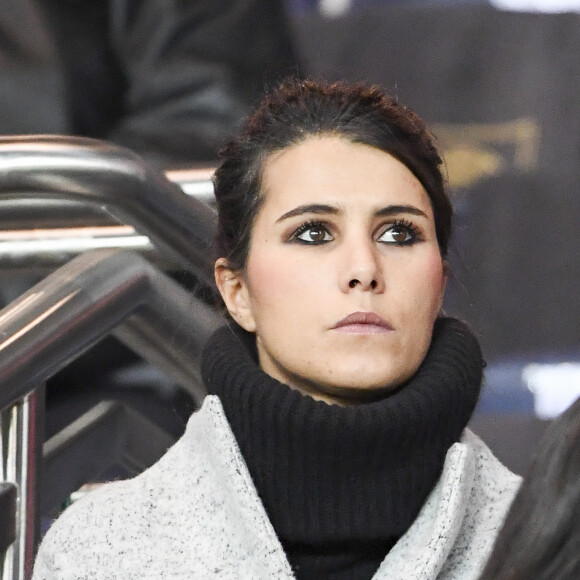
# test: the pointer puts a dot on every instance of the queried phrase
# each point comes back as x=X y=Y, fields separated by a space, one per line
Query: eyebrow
x=315 y=208
x=322 y=209
x=396 y=209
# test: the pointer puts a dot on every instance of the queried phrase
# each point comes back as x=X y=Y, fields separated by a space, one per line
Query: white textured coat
x=196 y=514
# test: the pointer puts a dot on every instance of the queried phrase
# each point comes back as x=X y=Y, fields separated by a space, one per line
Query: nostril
x=352 y=283
x=374 y=284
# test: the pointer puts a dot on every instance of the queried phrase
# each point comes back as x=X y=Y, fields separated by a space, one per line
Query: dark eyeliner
x=304 y=228
x=412 y=230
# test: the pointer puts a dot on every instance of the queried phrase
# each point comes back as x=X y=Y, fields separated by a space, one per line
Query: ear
x=234 y=291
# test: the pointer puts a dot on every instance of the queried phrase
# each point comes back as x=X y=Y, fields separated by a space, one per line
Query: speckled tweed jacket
x=196 y=514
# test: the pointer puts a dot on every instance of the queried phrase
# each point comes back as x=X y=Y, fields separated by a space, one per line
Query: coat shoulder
x=492 y=492
x=195 y=513
x=121 y=518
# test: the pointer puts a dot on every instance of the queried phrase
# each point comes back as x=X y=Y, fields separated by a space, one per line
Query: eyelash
x=412 y=231
x=309 y=225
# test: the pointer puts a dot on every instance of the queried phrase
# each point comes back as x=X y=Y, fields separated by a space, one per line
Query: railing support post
x=22 y=435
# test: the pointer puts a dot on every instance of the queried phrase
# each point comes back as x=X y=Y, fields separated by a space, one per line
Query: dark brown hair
x=297 y=110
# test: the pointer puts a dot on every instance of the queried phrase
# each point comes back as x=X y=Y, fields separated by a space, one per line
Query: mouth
x=363 y=323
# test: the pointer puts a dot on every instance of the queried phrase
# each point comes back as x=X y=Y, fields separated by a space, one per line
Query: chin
x=360 y=389
x=363 y=377
x=350 y=395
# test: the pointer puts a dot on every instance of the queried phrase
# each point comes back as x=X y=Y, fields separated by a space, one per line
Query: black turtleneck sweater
x=342 y=484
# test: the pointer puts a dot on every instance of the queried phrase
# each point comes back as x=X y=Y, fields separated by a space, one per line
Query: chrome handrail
x=76 y=169
x=21 y=214
x=93 y=295
x=21 y=435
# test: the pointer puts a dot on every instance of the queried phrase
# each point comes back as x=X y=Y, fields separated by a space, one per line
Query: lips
x=363 y=323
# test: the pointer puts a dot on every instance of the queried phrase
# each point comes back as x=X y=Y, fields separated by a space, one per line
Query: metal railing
x=52 y=182
x=21 y=443
x=88 y=298
x=40 y=234
x=95 y=294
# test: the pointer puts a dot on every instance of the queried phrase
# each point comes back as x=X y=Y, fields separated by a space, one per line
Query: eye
x=312 y=233
x=401 y=233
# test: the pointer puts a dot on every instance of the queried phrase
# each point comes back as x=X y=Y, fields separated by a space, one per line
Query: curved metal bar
x=89 y=170
x=84 y=300
x=30 y=252
x=18 y=214
x=32 y=213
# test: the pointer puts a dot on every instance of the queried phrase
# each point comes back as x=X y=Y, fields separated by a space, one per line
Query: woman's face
x=344 y=278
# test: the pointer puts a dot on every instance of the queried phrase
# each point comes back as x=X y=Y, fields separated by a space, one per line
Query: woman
x=333 y=444
x=541 y=535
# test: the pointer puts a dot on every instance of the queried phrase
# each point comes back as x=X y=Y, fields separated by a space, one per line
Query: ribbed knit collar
x=332 y=474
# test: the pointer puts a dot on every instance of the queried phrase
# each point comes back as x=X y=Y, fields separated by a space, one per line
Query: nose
x=362 y=269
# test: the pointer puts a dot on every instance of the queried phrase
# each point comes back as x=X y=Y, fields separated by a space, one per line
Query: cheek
x=426 y=284
x=436 y=281
x=436 y=276
x=274 y=285
x=421 y=308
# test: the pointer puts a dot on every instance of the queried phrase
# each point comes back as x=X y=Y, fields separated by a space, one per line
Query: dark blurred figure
x=540 y=539
x=32 y=96
x=168 y=79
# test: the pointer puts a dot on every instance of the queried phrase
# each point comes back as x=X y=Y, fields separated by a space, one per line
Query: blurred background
x=498 y=82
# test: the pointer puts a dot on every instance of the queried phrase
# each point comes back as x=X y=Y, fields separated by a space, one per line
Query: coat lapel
x=423 y=550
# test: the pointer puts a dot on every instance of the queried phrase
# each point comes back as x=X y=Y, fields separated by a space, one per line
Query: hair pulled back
x=298 y=110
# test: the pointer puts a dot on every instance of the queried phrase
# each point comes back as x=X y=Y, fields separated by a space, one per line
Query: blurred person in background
x=32 y=98
x=169 y=80
x=540 y=539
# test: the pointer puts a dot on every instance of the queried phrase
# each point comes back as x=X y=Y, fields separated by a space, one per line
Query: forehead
x=332 y=170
